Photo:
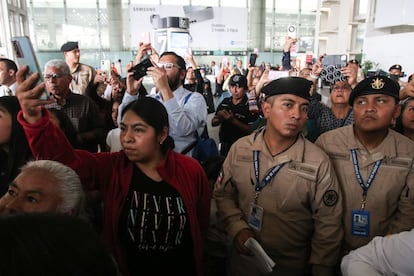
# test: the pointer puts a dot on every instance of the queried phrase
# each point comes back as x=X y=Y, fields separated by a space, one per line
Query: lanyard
x=371 y=177
x=266 y=180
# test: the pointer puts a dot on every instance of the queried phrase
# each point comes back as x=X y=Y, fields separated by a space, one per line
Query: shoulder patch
x=330 y=198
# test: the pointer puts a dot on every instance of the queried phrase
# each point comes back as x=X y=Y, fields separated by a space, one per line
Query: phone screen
x=25 y=55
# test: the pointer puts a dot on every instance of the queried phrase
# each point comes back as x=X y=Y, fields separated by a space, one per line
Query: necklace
x=274 y=155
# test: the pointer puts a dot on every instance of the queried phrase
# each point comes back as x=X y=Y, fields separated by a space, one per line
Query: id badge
x=360 y=223
x=255 y=217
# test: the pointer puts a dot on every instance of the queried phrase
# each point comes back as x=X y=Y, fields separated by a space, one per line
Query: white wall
x=391 y=49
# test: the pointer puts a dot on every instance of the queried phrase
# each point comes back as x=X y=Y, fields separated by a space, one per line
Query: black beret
x=239 y=80
x=396 y=67
x=375 y=85
x=354 y=61
x=69 y=46
x=289 y=85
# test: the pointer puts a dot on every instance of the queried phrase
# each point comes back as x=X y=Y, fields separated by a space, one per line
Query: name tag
x=255 y=216
x=360 y=223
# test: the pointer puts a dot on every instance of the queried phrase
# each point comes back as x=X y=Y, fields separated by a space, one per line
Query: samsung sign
x=215 y=28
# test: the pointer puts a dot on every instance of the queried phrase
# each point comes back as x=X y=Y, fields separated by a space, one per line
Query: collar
x=13 y=87
x=179 y=93
x=76 y=68
x=293 y=153
x=380 y=152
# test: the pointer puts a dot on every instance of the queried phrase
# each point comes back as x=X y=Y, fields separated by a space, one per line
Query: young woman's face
x=138 y=139
x=408 y=117
x=5 y=126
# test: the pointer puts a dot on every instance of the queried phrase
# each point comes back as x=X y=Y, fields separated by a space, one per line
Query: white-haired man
x=45 y=186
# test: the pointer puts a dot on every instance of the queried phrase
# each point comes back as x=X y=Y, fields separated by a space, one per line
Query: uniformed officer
x=374 y=164
x=396 y=73
x=281 y=189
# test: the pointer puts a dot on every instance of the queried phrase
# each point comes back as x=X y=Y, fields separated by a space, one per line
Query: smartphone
x=106 y=68
x=252 y=60
x=291 y=31
x=274 y=74
x=25 y=55
x=146 y=39
x=331 y=71
x=140 y=70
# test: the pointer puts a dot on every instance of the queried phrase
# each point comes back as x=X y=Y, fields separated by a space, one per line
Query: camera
x=140 y=69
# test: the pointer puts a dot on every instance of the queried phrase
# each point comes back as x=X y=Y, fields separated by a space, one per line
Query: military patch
x=330 y=198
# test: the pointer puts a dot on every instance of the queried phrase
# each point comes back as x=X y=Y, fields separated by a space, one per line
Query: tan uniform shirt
x=390 y=198
x=302 y=203
x=81 y=77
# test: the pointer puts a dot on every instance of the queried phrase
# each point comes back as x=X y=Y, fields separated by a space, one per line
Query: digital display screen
x=179 y=40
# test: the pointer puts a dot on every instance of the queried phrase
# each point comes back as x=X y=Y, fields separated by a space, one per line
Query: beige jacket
x=390 y=199
x=302 y=204
x=81 y=77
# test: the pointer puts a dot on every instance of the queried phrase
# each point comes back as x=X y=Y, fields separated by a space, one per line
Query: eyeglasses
x=168 y=65
x=52 y=76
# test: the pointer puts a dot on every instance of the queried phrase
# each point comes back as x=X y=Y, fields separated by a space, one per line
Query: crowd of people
x=323 y=188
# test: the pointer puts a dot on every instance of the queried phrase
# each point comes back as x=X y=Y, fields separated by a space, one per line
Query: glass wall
x=282 y=13
x=53 y=22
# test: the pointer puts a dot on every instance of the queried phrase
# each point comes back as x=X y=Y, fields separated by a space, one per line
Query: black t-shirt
x=155 y=229
x=230 y=133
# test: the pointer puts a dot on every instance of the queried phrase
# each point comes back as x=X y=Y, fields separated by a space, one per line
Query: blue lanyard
x=266 y=180
x=371 y=177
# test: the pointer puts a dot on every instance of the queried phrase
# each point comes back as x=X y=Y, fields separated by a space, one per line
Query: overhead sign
x=215 y=28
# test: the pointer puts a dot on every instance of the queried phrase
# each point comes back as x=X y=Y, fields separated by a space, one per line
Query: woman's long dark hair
x=18 y=150
x=154 y=114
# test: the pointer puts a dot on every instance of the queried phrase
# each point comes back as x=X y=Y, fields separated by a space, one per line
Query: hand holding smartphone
x=332 y=65
x=140 y=69
x=25 y=55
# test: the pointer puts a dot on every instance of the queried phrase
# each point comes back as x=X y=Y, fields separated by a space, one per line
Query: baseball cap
x=238 y=80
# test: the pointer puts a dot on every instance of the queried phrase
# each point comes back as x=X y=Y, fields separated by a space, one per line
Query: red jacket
x=111 y=173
